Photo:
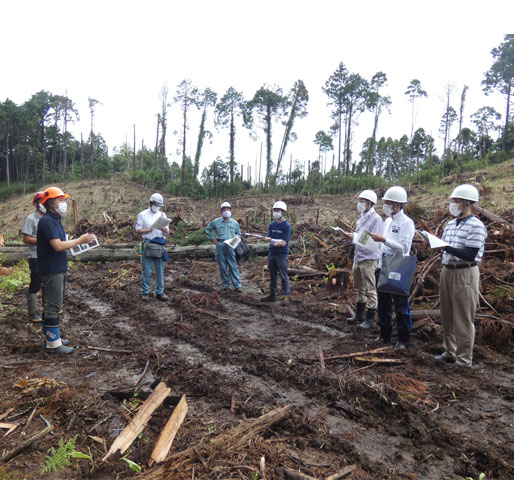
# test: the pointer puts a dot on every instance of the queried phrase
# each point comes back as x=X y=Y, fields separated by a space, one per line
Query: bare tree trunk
x=7 y=169
x=156 y=151
x=507 y=114
x=81 y=155
x=232 y=145
x=268 y=146
x=461 y=116
x=65 y=154
x=134 y=153
x=43 y=152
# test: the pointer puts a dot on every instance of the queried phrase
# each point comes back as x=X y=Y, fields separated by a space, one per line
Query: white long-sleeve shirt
x=145 y=220
x=399 y=231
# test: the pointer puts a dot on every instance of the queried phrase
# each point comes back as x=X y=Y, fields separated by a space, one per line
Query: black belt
x=454 y=266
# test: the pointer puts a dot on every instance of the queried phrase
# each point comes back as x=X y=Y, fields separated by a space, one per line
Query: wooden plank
x=138 y=423
x=167 y=435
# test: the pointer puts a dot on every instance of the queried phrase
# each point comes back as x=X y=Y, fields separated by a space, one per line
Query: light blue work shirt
x=223 y=229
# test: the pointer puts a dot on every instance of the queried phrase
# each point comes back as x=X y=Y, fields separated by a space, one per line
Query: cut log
x=224 y=444
x=425 y=313
x=138 y=423
x=166 y=437
x=491 y=216
x=108 y=253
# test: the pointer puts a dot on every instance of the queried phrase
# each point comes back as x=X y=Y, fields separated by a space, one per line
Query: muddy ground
x=235 y=358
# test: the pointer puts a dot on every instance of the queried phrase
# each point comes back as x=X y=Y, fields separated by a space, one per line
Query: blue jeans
x=277 y=264
x=226 y=258
x=147 y=265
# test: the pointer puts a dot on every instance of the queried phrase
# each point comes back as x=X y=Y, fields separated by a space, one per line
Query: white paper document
x=84 y=247
x=161 y=222
x=275 y=241
x=433 y=241
x=256 y=235
x=233 y=242
x=365 y=240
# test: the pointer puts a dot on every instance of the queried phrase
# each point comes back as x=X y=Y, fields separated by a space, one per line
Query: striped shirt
x=469 y=232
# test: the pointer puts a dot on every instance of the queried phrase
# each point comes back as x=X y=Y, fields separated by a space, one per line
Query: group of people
x=459 y=282
x=465 y=237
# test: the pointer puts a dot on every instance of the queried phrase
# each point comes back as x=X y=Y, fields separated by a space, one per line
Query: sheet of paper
x=275 y=241
x=364 y=239
x=161 y=222
x=434 y=241
x=339 y=229
x=256 y=235
x=233 y=242
x=84 y=247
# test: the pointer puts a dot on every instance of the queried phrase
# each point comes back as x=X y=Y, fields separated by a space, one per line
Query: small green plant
x=60 y=458
x=132 y=465
x=480 y=477
x=255 y=476
x=134 y=401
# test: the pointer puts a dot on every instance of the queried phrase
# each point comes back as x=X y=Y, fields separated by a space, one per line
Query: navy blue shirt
x=50 y=261
x=279 y=231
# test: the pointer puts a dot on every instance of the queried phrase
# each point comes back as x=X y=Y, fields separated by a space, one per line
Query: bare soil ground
x=236 y=358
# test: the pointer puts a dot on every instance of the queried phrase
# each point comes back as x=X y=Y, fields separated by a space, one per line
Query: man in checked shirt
x=460 y=277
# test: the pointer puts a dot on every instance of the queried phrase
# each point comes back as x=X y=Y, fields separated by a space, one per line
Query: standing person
x=365 y=262
x=460 y=277
x=152 y=256
x=225 y=228
x=29 y=232
x=53 y=264
x=279 y=233
x=399 y=231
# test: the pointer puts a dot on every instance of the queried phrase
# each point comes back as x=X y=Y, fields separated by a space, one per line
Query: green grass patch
x=19 y=278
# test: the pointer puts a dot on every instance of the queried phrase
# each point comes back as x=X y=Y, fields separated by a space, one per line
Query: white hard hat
x=157 y=199
x=225 y=205
x=280 y=204
x=396 y=194
x=369 y=195
x=466 y=192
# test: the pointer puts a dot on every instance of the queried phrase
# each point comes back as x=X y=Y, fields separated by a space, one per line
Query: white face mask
x=361 y=207
x=41 y=208
x=277 y=215
x=62 y=208
x=155 y=208
x=226 y=214
x=387 y=209
x=455 y=209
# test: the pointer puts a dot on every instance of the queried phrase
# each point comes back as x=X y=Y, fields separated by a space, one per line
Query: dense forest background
x=37 y=148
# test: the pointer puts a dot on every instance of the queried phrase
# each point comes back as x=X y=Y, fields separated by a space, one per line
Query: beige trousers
x=458 y=292
x=365 y=284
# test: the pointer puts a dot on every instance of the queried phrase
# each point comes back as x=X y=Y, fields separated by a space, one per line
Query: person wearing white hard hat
x=221 y=229
x=397 y=238
x=279 y=234
x=460 y=277
x=365 y=262
x=153 y=252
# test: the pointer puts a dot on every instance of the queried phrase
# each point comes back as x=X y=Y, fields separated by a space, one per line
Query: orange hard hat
x=53 y=192
x=37 y=196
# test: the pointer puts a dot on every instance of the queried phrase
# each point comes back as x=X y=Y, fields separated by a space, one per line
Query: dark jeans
x=277 y=264
x=35 y=279
x=385 y=315
x=53 y=290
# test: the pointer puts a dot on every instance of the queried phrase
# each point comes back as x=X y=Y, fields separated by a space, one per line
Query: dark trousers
x=277 y=264
x=385 y=315
x=35 y=279
x=53 y=290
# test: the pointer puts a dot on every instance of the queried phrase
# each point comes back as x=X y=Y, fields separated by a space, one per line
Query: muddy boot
x=369 y=322
x=403 y=339
x=360 y=312
x=54 y=343
x=32 y=307
x=269 y=298
x=285 y=300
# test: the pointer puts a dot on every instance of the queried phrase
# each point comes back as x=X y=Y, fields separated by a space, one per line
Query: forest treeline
x=37 y=148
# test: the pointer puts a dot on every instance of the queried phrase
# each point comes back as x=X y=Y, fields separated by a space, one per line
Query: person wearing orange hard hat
x=29 y=232
x=52 y=258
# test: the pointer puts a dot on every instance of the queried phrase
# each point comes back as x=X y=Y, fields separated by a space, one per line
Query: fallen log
x=21 y=446
x=108 y=253
x=138 y=423
x=224 y=444
x=491 y=216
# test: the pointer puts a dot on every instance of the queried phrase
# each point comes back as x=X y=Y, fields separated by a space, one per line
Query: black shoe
x=369 y=322
x=162 y=296
x=402 y=345
x=238 y=290
x=145 y=296
x=59 y=349
x=360 y=314
x=269 y=298
x=443 y=358
x=382 y=339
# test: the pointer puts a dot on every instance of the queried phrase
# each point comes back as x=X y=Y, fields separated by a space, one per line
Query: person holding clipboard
x=152 y=225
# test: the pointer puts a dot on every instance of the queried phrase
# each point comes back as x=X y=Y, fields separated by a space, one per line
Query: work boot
x=59 y=349
x=53 y=337
x=285 y=300
x=444 y=358
x=401 y=345
x=32 y=307
x=385 y=335
x=369 y=322
x=403 y=338
x=360 y=314
x=162 y=296
x=269 y=298
x=145 y=296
